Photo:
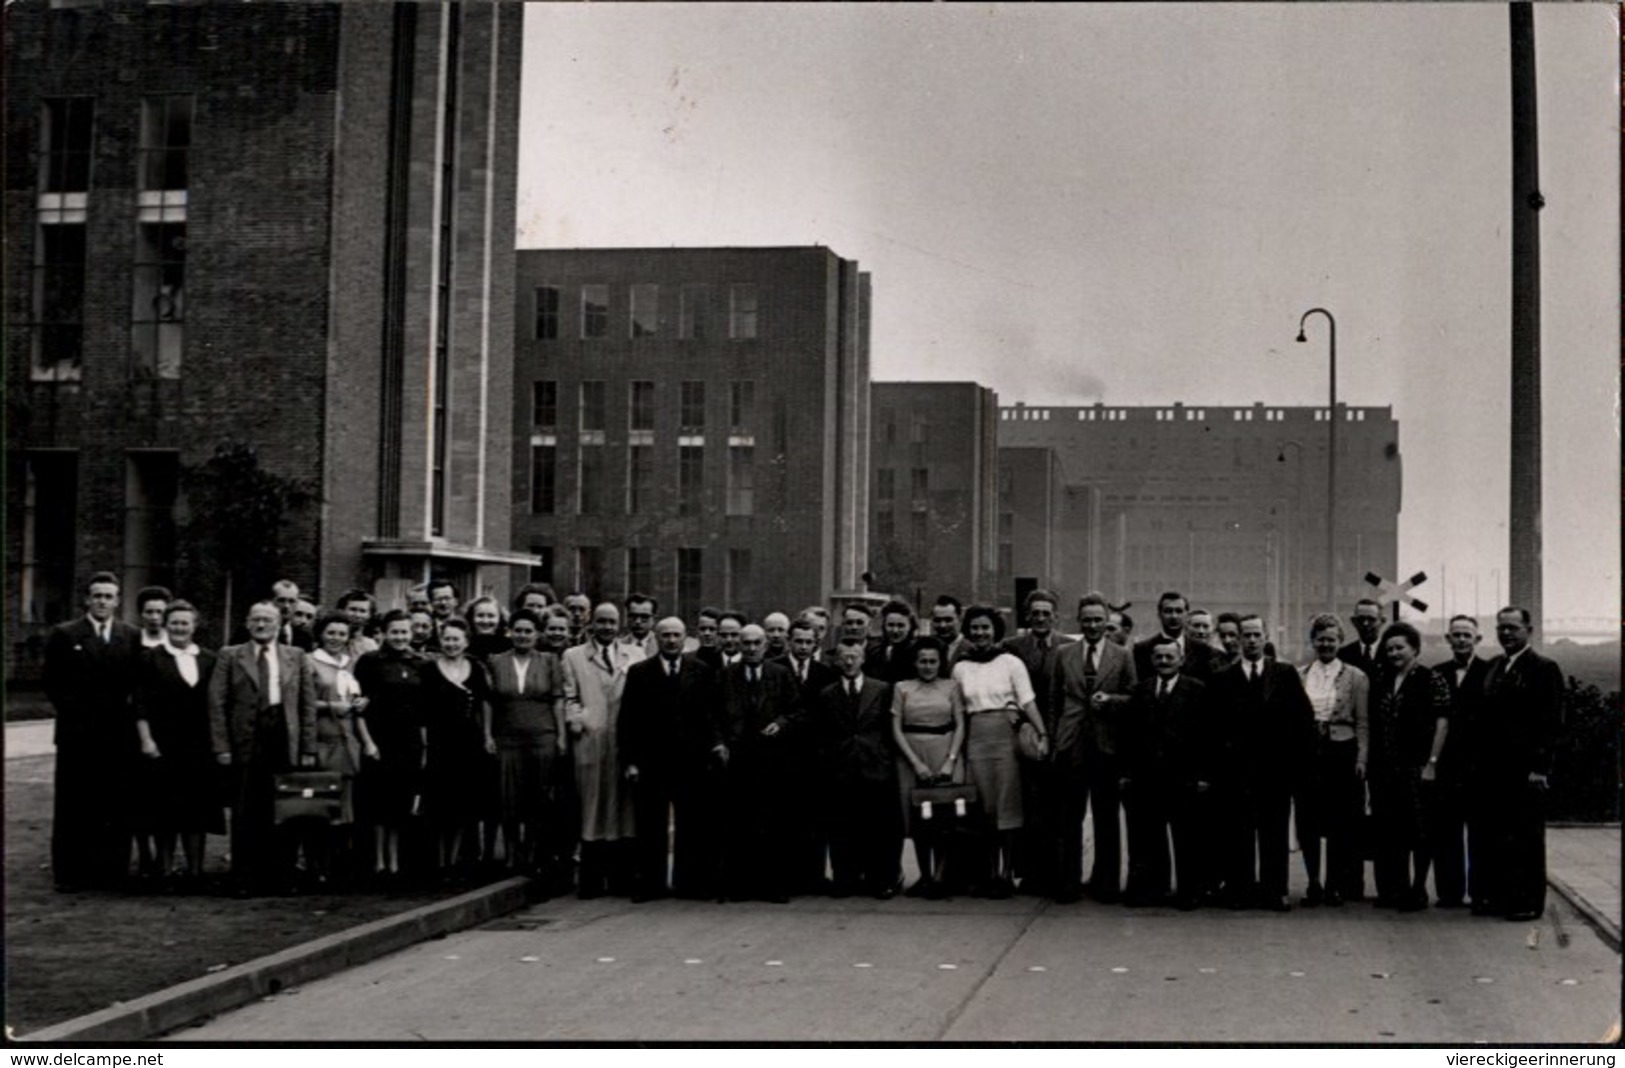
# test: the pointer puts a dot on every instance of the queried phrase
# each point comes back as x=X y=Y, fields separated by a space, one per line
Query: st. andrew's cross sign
x=1398 y=593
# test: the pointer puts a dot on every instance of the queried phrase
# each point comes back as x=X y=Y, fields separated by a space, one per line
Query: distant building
x=933 y=488
x=284 y=226
x=1225 y=504
x=1032 y=534
x=694 y=424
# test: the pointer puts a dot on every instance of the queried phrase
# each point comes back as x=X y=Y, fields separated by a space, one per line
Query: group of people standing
x=601 y=747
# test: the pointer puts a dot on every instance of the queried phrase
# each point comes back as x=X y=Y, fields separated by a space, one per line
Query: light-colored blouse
x=1000 y=683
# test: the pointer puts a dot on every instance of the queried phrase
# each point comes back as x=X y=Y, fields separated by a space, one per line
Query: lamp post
x=1331 y=458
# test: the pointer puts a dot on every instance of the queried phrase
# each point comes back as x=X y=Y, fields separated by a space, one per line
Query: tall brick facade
x=296 y=225
x=695 y=423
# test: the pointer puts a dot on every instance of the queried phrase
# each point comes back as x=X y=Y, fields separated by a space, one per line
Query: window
x=592 y=406
x=690 y=585
x=919 y=484
x=151 y=486
x=888 y=426
x=742 y=311
x=65 y=144
x=166 y=141
x=57 y=338
x=694 y=312
x=590 y=570
x=641 y=408
x=544 y=477
x=547 y=313
x=741 y=480
x=543 y=571
x=690 y=479
x=919 y=431
x=50 y=503
x=640 y=479
x=639 y=569
x=885 y=485
x=158 y=311
x=918 y=529
x=691 y=413
x=738 y=578
x=645 y=309
x=885 y=526
x=741 y=406
x=590 y=483
x=544 y=405
x=594 y=311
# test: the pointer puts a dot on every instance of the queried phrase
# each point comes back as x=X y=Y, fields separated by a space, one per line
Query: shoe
x=1386 y=902
x=1524 y=915
x=934 y=891
x=1000 y=889
x=1412 y=903
x=1275 y=904
x=1450 y=903
x=1069 y=895
x=643 y=897
x=1333 y=900
x=1484 y=908
x=921 y=887
x=1314 y=897
x=1187 y=904
x=886 y=893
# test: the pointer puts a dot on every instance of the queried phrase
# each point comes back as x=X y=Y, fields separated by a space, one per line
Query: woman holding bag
x=928 y=723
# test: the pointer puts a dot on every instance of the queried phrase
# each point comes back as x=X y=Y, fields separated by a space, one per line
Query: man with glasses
x=640 y=623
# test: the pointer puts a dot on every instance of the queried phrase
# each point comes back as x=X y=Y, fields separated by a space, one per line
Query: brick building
x=933 y=488
x=696 y=423
x=1225 y=503
x=281 y=230
x=1031 y=535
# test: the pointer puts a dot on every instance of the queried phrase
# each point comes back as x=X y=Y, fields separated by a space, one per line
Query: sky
x=1136 y=203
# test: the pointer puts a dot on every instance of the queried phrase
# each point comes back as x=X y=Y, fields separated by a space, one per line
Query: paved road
x=965 y=971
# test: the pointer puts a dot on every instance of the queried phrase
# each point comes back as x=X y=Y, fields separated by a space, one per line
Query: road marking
x=606 y=960
x=1482 y=979
x=1208 y=971
x=1296 y=975
x=773 y=963
x=1037 y=968
x=863 y=964
x=453 y=956
x=947 y=967
x=529 y=960
x=1569 y=982
x=1119 y=971
x=693 y=960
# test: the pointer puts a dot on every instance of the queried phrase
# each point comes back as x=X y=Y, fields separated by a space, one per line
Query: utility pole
x=1524 y=557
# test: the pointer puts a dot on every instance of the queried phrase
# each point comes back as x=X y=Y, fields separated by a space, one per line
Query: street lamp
x=1297 y=585
x=1331 y=459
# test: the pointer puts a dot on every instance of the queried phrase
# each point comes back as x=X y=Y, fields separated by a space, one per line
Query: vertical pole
x=1523 y=528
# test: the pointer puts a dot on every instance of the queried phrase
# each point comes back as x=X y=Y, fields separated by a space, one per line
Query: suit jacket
x=1024 y=647
x=743 y=713
x=857 y=746
x=1463 y=745
x=1199 y=659
x=1265 y=733
x=89 y=683
x=1523 y=710
x=1353 y=654
x=664 y=722
x=1074 y=723
x=1351 y=707
x=1168 y=739
x=234 y=694
x=890 y=667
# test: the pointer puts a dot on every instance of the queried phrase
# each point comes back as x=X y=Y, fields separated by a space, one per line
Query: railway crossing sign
x=1394 y=593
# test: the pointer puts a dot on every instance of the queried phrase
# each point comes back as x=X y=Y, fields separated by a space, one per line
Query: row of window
x=1167 y=415
x=919 y=485
x=641 y=493
x=587 y=568
x=644 y=316
x=592 y=406
x=919 y=528
x=158 y=293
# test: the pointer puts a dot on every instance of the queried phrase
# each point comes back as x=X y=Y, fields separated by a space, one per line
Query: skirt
x=990 y=752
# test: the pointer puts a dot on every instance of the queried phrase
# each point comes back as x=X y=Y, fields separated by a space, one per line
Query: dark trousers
x=1447 y=829
x=90 y=846
x=262 y=853
x=754 y=847
x=1088 y=780
x=1159 y=808
x=1402 y=860
x=1260 y=810
x=1035 y=857
x=865 y=835
x=1326 y=805
x=1517 y=834
x=676 y=816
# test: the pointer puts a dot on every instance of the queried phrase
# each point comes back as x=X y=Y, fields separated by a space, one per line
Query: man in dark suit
x=1267 y=728
x=669 y=746
x=761 y=702
x=1454 y=810
x=1090 y=684
x=262 y=719
x=1363 y=652
x=1164 y=752
x=945 y=617
x=810 y=844
x=1035 y=647
x=90 y=668
x=1522 y=712
x=852 y=719
x=1196 y=656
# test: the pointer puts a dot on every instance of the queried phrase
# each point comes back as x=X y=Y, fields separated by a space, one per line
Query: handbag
x=946 y=808
x=307 y=795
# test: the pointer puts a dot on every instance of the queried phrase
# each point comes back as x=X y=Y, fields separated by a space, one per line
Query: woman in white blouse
x=998 y=697
x=1331 y=791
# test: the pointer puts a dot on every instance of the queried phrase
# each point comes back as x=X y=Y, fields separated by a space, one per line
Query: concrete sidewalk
x=1582 y=865
x=30 y=737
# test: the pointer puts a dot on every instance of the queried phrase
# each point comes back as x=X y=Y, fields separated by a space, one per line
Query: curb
x=184 y=1003
x=1605 y=926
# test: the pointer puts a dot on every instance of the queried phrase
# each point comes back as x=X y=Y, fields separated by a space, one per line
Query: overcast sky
x=1136 y=203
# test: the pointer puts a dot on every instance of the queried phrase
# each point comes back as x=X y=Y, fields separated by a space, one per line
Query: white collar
x=190 y=649
x=341 y=661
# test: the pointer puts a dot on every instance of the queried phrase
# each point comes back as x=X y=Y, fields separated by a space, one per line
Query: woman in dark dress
x=454 y=694
x=172 y=721
x=1410 y=717
x=392 y=739
x=525 y=720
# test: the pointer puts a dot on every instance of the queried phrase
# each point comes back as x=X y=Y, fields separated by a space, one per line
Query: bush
x=1586 y=769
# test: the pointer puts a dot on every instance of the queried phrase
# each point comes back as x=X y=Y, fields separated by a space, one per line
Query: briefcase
x=939 y=810
x=314 y=795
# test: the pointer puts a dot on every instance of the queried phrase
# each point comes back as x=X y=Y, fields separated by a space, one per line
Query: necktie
x=107 y=633
x=265 y=676
x=750 y=675
x=609 y=667
x=801 y=670
x=1092 y=661
x=671 y=669
x=1043 y=646
x=1162 y=688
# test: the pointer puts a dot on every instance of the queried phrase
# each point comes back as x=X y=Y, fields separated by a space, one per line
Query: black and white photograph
x=784 y=524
